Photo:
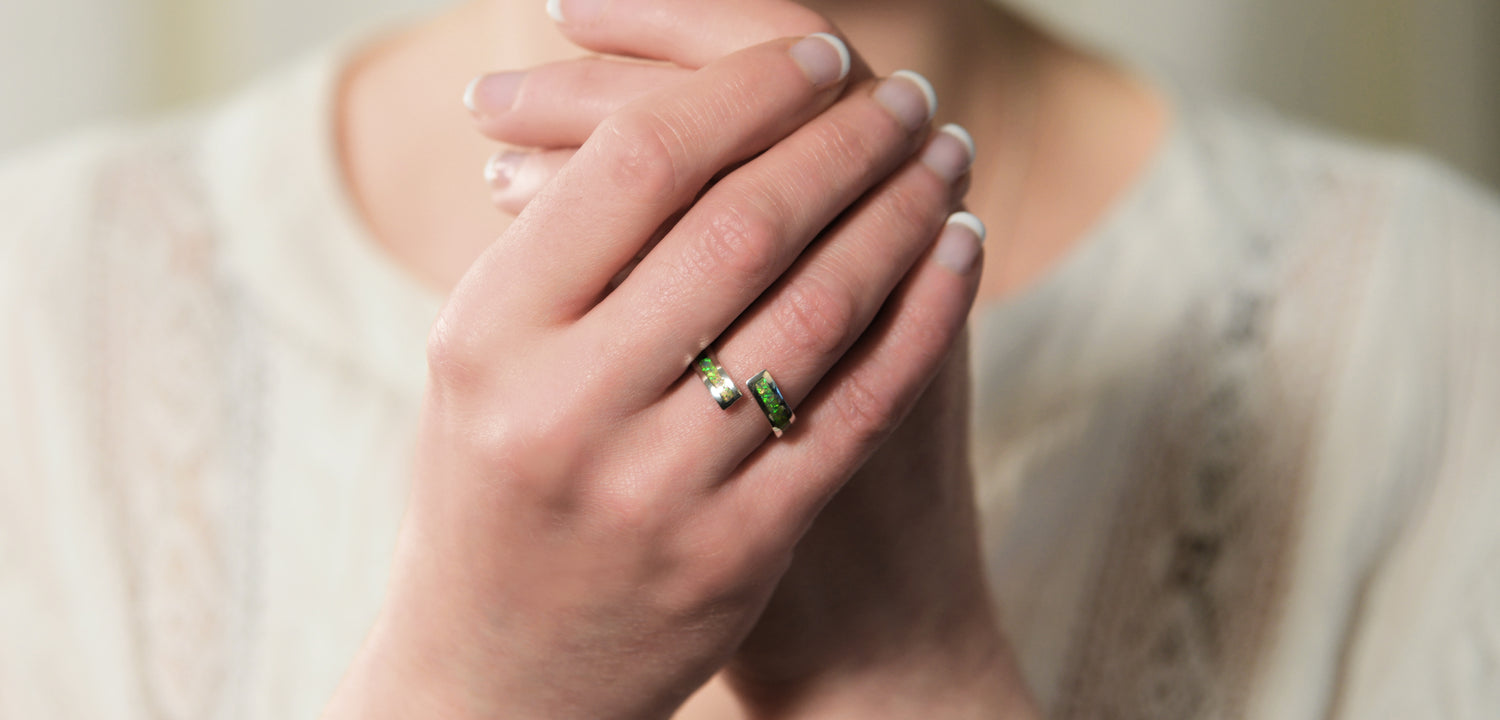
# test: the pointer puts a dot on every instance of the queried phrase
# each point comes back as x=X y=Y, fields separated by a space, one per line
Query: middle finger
x=641 y=167
x=749 y=228
x=802 y=328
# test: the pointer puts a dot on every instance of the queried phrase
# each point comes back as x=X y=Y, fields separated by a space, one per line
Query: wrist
x=437 y=652
x=387 y=681
x=971 y=678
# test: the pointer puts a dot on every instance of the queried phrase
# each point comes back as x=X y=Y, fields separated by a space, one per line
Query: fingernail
x=493 y=94
x=577 y=11
x=958 y=245
x=950 y=153
x=823 y=57
x=909 y=97
x=501 y=169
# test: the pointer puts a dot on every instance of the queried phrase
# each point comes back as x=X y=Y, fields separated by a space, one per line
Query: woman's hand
x=589 y=534
x=547 y=112
x=885 y=611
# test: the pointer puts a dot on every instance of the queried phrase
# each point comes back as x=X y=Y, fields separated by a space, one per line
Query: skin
x=1045 y=174
x=825 y=646
x=558 y=536
x=653 y=560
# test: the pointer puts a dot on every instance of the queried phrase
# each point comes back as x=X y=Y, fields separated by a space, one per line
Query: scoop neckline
x=293 y=234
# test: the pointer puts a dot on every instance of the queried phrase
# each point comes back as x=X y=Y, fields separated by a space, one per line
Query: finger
x=516 y=177
x=690 y=33
x=560 y=104
x=801 y=328
x=874 y=386
x=750 y=227
x=639 y=168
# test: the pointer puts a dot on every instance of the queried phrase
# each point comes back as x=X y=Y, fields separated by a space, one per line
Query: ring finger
x=803 y=326
x=750 y=227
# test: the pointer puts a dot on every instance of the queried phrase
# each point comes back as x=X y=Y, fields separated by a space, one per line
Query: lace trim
x=179 y=391
x=1197 y=562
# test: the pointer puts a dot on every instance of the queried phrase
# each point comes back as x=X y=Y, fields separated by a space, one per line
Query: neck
x=1042 y=180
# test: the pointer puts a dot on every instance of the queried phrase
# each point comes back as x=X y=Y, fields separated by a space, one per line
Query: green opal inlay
x=718 y=382
x=768 y=396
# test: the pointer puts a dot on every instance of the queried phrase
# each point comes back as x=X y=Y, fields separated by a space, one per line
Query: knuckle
x=739 y=244
x=537 y=459
x=813 y=318
x=454 y=355
x=632 y=511
x=636 y=150
x=864 y=412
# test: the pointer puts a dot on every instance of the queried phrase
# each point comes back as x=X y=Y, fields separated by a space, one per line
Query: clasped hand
x=590 y=535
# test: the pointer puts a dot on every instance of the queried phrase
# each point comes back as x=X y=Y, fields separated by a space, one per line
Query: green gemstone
x=718 y=382
x=771 y=402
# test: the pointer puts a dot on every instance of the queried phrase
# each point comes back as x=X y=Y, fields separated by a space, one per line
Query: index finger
x=689 y=33
x=641 y=166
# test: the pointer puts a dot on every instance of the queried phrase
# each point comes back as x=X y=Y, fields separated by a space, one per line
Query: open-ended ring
x=720 y=385
x=768 y=395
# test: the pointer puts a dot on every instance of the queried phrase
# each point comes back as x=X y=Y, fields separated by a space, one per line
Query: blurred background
x=1415 y=72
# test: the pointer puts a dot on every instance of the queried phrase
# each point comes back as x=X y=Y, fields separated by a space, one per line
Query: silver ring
x=719 y=384
x=768 y=395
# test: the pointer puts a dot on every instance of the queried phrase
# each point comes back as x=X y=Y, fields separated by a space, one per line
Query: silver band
x=767 y=394
x=719 y=384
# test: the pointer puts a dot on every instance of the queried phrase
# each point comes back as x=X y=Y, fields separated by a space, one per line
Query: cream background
x=1424 y=72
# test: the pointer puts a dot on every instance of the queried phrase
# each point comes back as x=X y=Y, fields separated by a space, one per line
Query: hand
x=589 y=535
x=547 y=112
x=885 y=611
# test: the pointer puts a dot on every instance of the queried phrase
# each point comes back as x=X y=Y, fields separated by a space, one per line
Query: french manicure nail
x=554 y=9
x=493 y=94
x=469 y=91
x=823 y=57
x=958 y=245
x=950 y=153
x=909 y=97
x=501 y=169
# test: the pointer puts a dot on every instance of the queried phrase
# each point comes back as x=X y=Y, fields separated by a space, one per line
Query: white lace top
x=1240 y=453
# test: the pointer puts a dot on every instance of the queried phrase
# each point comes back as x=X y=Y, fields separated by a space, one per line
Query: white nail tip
x=924 y=86
x=554 y=9
x=469 y=94
x=960 y=134
x=969 y=221
x=845 y=61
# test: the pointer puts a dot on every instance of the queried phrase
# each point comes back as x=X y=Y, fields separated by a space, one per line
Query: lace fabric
x=1202 y=437
x=1233 y=453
